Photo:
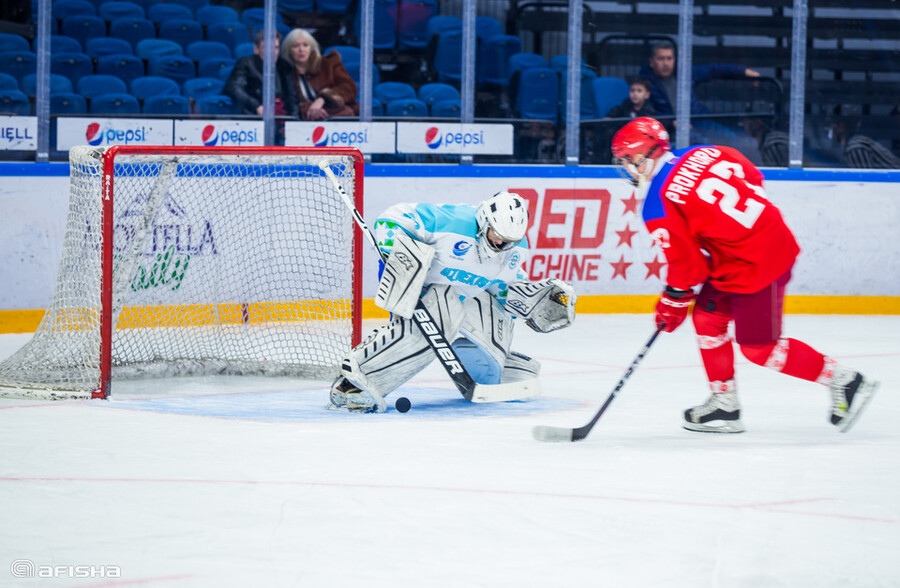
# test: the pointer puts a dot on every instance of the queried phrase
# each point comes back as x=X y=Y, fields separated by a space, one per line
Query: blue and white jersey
x=451 y=229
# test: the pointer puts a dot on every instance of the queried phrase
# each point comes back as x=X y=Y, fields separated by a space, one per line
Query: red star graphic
x=625 y=236
x=631 y=204
x=620 y=267
x=654 y=268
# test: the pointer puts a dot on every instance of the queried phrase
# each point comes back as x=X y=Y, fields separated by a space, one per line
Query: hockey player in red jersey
x=706 y=208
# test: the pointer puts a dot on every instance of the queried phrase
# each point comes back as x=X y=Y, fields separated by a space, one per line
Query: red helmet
x=643 y=135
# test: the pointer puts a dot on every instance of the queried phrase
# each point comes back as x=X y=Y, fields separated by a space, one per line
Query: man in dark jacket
x=245 y=84
x=660 y=70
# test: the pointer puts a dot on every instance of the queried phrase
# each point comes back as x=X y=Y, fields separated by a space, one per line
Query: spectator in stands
x=638 y=102
x=321 y=83
x=245 y=84
x=858 y=151
x=772 y=145
x=660 y=70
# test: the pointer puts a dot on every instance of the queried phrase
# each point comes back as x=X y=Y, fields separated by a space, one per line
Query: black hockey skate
x=720 y=414
x=850 y=393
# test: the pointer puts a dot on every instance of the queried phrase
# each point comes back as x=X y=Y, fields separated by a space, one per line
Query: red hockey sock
x=788 y=356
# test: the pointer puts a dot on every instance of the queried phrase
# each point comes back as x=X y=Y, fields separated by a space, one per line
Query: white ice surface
x=250 y=482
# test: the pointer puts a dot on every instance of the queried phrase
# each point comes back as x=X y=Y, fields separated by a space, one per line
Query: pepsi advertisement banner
x=376 y=137
x=455 y=138
x=219 y=133
x=103 y=132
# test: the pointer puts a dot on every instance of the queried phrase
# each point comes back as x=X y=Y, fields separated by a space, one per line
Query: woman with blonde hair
x=324 y=87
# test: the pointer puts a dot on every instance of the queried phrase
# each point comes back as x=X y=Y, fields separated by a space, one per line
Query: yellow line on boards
x=27 y=320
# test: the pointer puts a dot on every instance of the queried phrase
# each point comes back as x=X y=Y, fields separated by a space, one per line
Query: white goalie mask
x=506 y=215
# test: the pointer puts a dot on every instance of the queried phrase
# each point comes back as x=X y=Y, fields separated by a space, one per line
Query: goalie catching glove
x=546 y=306
x=404 y=275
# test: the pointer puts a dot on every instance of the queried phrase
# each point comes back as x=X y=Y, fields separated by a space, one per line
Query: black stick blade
x=553 y=434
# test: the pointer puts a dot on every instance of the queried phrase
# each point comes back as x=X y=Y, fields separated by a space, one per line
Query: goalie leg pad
x=519 y=367
x=404 y=275
x=546 y=306
x=395 y=352
x=488 y=329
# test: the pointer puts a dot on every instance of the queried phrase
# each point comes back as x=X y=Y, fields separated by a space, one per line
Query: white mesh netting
x=234 y=264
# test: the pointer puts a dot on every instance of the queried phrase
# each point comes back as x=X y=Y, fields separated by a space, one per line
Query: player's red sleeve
x=687 y=265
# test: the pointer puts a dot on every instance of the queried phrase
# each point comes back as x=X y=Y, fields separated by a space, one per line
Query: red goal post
x=198 y=260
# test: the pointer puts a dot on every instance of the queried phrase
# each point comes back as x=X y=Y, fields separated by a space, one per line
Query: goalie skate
x=347 y=397
x=720 y=414
x=850 y=393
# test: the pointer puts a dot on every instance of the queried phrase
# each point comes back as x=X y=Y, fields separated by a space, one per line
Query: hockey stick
x=542 y=433
x=469 y=388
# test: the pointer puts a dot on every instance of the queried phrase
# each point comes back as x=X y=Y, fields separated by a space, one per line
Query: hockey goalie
x=465 y=264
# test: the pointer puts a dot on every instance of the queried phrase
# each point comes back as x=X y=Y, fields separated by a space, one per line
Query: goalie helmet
x=506 y=214
x=645 y=137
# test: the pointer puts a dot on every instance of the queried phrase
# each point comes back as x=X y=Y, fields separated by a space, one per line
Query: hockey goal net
x=195 y=261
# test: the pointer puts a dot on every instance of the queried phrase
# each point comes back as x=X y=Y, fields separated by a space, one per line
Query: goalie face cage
x=191 y=261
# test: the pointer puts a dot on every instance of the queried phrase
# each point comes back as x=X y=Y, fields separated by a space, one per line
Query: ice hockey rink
x=251 y=482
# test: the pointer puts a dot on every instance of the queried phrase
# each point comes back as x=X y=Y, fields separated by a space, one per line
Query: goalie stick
x=543 y=433
x=469 y=388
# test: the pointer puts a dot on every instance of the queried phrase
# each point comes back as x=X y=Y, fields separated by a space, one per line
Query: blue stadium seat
x=332 y=6
x=230 y=33
x=67 y=103
x=588 y=108
x=145 y=4
x=12 y=42
x=14 y=102
x=18 y=64
x=58 y=84
x=174 y=67
x=101 y=46
x=124 y=66
x=244 y=49
x=608 y=92
x=447 y=61
x=72 y=65
x=149 y=48
x=377 y=107
x=254 y=19
x=385 y=24
x=487 y=26
x=348 y=53
x=435 y=92
x=83 y=27
x=94 y=85
x=8 y=82
x=133 y=30
x=388 y=92
x=214 y=68
x=520 y=61
x=561 y=62
x=412 y=24
x=406 y=108
x=115 y=9
x=114 y=104
x=209 y=15
x=202 y=50
x=215 y=105
x=353 y=69
x=199 y=87
x=451 y=108
x=443 y=24
x=537 y=95
x=193 y=5
x=492 y=66
x=172 y=105
x=61 y=44
x=159 y=13
x=183 y=32
x=62 y=9
x=144 y=87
